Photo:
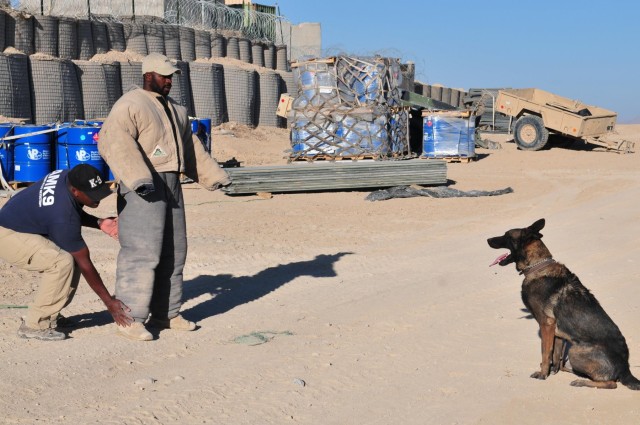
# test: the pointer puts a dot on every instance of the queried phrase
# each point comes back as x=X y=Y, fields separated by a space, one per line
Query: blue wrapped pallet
x=448 y=136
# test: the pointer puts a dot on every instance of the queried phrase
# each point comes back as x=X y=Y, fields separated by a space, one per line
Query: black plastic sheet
x=432 y=192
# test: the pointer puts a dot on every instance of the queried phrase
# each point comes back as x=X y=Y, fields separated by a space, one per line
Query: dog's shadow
x=227 y=292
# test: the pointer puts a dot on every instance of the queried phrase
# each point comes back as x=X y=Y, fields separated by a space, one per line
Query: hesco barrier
x=172 y=42
x=46 y=35
x=100 y=37
x=15 y=93
x=115 y=35
x=257 y=53
x=130 y=75
x=208 y=90
x=202 y=44
x=19 y=31
x=282 y=62
x=287 y=85
x=135 y=38
x=154 y=36
x=67 y=38
x=244 y=47
x=100 y=86
x=181 y=87
x=86 y=48
x=2 y=25
x=187 y=44
x=233 y=48
x=55 y=90
x=270 y=56
x=268 y=88
x=218 y=46
x=240 y=90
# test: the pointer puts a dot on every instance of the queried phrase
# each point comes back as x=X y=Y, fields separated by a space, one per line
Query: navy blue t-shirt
x=47 y=208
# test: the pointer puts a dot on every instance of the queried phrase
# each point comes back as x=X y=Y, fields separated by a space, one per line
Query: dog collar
x=537 y=266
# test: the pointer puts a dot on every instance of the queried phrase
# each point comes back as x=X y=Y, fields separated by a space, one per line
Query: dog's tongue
x=500 y=258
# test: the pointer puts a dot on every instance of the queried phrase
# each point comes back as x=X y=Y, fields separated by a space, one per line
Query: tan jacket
x=137 y=137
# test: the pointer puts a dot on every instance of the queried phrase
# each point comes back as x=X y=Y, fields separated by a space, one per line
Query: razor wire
x=200 y=14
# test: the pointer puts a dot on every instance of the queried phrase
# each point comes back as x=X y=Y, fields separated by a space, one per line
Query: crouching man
x=40 y=231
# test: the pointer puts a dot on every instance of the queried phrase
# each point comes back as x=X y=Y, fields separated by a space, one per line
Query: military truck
x=537 y=113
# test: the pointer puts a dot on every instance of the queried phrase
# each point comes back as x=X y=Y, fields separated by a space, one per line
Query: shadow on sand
x=229 y=291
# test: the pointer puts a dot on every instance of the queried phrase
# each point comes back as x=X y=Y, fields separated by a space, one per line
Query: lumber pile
x=339 y=175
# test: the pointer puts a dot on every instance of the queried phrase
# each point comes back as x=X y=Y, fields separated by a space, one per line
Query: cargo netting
x=347 y=107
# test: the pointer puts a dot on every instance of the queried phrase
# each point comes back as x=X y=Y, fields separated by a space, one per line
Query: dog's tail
x=630 y=381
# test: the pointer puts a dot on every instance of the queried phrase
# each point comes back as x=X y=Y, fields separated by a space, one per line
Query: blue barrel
x=6 y=152
x=201 y=127
x=79 y=145
x=88 y=122
x=32 y=154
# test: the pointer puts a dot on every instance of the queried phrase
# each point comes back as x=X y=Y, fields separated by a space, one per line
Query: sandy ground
x=325 y=308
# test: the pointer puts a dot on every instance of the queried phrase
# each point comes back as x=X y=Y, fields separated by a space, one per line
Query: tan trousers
x=60 y=276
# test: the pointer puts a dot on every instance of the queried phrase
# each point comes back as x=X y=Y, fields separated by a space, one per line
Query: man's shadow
x=228 y=291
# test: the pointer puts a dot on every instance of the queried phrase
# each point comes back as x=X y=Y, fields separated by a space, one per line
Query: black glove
x=145 y=189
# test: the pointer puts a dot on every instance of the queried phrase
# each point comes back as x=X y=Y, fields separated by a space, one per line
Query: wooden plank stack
x=342 y=175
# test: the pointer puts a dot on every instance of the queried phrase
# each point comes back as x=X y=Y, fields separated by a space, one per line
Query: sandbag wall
x=453 y=97
x=50 y=71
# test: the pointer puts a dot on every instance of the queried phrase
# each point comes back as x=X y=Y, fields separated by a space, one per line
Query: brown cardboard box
x=284 y=105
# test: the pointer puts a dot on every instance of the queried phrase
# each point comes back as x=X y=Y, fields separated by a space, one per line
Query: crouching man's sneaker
x=177 y=323
x=42 y=334
x=135 y=331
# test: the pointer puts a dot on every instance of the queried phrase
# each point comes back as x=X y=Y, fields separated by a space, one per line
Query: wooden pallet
x=450 y=159
x=451 y=114
x=19 y=185
x=312 y=158
x=329 y=60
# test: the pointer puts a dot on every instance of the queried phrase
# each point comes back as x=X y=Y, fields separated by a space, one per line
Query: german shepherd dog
x=577 y=335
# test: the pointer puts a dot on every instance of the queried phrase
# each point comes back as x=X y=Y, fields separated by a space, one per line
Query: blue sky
x=583 y=50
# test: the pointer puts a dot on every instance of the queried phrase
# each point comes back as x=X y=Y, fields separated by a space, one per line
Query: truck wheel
x=530 y=133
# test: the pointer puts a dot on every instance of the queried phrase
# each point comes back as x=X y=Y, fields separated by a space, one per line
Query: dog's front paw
x=539 y=375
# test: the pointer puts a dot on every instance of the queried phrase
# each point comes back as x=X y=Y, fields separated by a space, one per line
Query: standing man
x=40 y=230
x=147 y=142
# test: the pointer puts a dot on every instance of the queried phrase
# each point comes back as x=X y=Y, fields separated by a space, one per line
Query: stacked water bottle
x=348 y=107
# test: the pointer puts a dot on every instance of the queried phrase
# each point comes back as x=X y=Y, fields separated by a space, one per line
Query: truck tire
x=530 y=133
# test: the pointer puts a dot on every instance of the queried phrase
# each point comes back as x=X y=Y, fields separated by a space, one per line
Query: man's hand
x=145 y=189
x=109 y=226
x=120 y=312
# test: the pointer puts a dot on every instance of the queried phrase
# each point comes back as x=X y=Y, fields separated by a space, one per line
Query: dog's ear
x=536 y=227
